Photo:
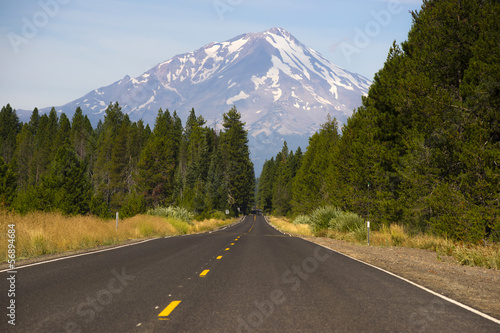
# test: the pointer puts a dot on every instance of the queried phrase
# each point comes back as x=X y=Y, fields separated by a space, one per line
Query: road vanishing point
x=247 y=277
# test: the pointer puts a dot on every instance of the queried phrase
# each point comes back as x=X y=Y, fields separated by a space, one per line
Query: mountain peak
x=276 y=31
x=279 y=31
x=283 y=89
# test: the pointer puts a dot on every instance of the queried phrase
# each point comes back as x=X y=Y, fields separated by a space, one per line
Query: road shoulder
x=476 y=287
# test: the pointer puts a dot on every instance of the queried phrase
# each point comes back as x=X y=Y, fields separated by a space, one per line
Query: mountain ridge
x=283 y=89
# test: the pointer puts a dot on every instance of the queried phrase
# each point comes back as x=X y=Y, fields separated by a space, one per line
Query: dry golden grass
x=471 y=255
x=208 y=225
x=395 y=235
x=284 y=225
x=43 y=233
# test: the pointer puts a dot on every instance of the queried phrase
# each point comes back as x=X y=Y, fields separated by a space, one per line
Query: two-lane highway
x=245 y=278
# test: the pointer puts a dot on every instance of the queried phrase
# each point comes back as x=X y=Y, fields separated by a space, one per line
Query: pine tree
x=194 y=163
x=7 y=184
x=215 y=187
x=156 y=168
x=239 y=172
x=119 y=172
x=41 y=157
x=105 y=179
x=266 y=182
x=282 y=191
x=66 y=188
x=80 y=134
x=310 y=187
x=25 y=148
x=9 y=128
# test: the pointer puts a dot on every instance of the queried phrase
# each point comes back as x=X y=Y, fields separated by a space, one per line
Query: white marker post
x=116 y=220
x=368 y=231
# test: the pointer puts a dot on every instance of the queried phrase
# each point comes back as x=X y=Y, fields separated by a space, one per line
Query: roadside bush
x=346 y=222
x=321 y=217
x=172 y=212
x=302 y=219
x=360 y=233
x=218 y=215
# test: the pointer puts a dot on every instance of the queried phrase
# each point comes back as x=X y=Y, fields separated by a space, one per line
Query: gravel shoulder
x=476 y=287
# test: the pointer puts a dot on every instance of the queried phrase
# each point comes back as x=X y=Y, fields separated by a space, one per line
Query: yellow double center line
x=171 y=307
x=254 y=218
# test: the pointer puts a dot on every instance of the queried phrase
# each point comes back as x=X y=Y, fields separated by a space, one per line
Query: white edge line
x=484 y=315
x=75 y=255
x=272 y=226
x=466 y=307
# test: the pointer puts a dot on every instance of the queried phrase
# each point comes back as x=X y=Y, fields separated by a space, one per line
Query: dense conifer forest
x=52 y=163
x=424 y=148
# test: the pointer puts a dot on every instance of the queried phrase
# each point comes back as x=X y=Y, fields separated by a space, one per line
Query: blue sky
x=55 y=51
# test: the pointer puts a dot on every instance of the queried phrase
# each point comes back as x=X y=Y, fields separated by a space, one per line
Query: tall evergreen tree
x=9 y=128
x=282 y=190
x=7 y=184
x=66 y=188
x=239 y=172
x=216 y=191
x=105 y=172
x=266 y=182
x=309 y=187
x=156 y=168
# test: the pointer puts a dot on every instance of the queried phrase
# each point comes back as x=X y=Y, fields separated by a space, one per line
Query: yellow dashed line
x=219 y=257
x=227 y=249
x=232 y=243
x=166 y=312
x=204 y=273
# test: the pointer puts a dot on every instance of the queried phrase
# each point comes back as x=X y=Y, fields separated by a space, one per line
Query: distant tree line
x=52 y=163
x=424 y=148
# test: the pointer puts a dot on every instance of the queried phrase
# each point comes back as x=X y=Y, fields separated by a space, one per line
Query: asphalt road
x=245 y=278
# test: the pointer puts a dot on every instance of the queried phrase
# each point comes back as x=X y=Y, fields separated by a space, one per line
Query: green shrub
x=321 y=217
x=218 y=215
x=181 y=226
x=360 y=233
x=346 y=222
x=302 y=219
x=172 y=212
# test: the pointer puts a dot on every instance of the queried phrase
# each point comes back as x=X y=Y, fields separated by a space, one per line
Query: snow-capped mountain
x=283 y=89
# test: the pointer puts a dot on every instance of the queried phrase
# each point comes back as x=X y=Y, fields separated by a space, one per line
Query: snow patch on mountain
x=236 y=98
x=283 y=89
